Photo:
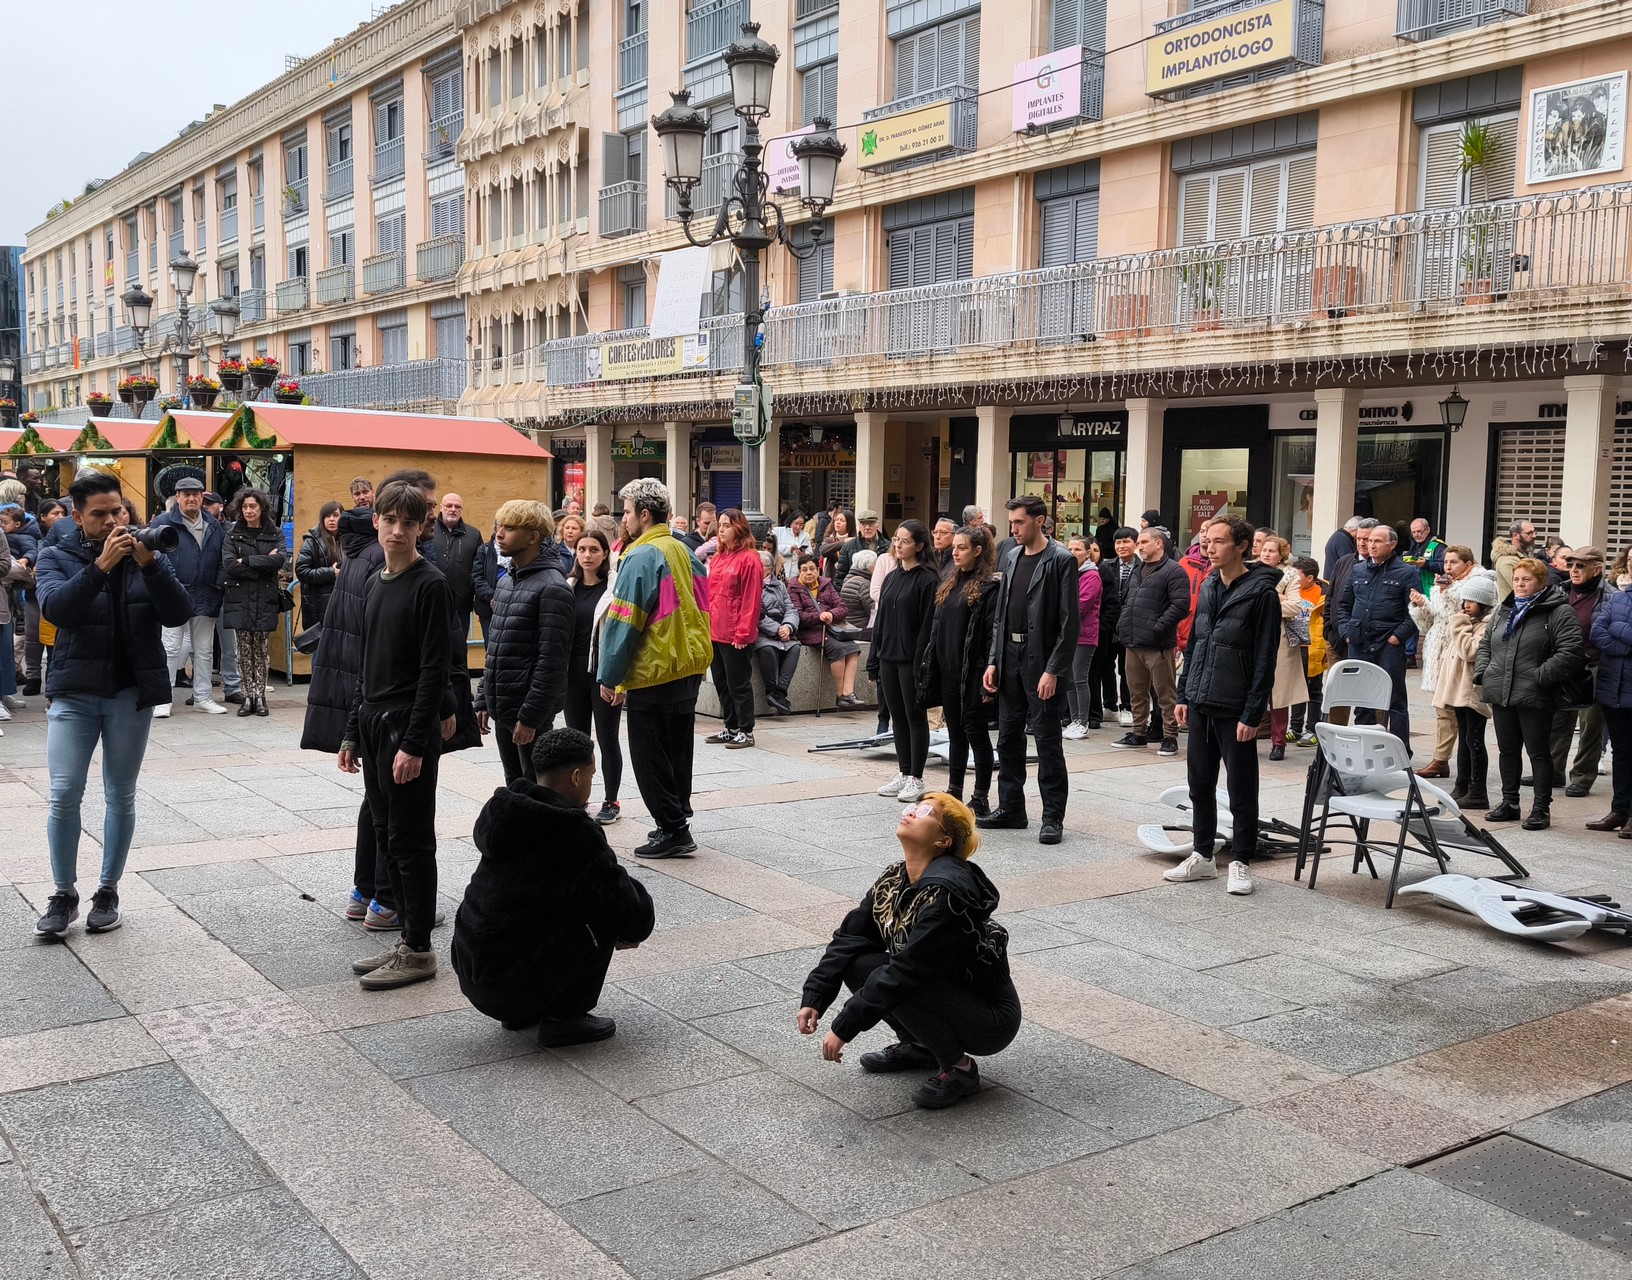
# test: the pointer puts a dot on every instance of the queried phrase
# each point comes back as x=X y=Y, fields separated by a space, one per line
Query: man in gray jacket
x=1155 y=601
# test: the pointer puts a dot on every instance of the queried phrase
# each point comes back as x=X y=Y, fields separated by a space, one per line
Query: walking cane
x=821 y=666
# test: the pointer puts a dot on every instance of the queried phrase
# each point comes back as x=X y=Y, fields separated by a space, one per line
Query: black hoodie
x=936 y=932
x=547 y=901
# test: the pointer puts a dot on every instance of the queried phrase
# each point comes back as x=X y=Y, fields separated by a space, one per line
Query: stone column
x=994 y=467
x=870 y=461
x=677 y=439
x=1337 y=443
x=598 y=466
x=1143 y=489
x=1589 y=445
x=770 y=472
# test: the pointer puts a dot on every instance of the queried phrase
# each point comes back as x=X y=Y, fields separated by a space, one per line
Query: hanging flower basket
x=231 y=374
x=126 y=395
x=203 y=392
x=288 y=392
x=100 y=402
x=8 y=409
x=141 y=389
x=28 y=418
x=263 y=371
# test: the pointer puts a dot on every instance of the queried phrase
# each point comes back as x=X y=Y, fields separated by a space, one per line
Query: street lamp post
x=186 y=340
x=749 y=219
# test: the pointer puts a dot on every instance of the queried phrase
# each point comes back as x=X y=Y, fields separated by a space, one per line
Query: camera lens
x=162 y=537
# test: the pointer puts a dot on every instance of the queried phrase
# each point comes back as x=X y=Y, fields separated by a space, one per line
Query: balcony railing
x=389 y=160
x=1426 y=19
x=133 y=264
x=416 y=384
x=260 y=212
x=335 y=284
x=712 y=26
x=632 y=60
x=710 y=193
x=178 y=244
x=103 y=344
x=36 y=361
x=1534 y=250
x=341 y=181
x=803 y=9
x=566 y=360
x=229 y=225
x=251 y=306
x=294 y=199
x=124 y=339
x=1308 y=41
x=623 y=208
x=385 y=272
x=965 y=118
x=445 y=131
x=439 y=258
x=293 y=295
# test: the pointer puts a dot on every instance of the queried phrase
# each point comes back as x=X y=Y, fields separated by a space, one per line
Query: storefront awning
x=289 y=425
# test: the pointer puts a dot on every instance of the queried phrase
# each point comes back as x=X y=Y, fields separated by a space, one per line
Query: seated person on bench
x=548 y=903
x=921 y=953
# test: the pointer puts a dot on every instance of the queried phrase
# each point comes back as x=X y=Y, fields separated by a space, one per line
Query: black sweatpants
x=662 y=738
x=368 y=871
x=947 y=1019
x=1017 y=706
x=963 y=739
x=1213 y=743
x=733 y=676
x=516 y=759
x=1527 y=730
x=575 y=994
x=898 y=682
x=404 y=818
x=1472 y=760
x=586 y=707
x=776 y=667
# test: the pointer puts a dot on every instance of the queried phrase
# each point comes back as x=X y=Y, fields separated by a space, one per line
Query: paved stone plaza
x=1204 y=1086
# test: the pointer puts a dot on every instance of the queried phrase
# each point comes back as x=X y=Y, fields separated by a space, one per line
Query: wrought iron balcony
x=385 y=272
x=390 y=159
x=341 y=181
x=566 y=360
x=623 y=208
x=803 y=9
x=417 y=384
x=1428 y=19
x=251 y=306
x=439 y=258
x=712 y=26
x=335 y=284
x=229 y=224
x=294 y=199
x=444 y=135
x=632 y=60
x=260 y=212
x=293 y=295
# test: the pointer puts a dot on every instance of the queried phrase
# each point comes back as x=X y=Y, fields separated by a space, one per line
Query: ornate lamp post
x=187 y=340
x=749 y=219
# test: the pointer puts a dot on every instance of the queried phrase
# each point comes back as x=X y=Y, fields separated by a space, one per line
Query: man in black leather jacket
x=1034 y=641
x=1223 y=692
x=456 y=547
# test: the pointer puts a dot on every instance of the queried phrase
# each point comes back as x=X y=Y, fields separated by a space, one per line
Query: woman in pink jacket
x=734 y=578
x=1090 y=587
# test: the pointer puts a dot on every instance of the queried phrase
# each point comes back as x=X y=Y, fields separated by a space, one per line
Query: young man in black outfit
x=394 y=732
x=1034 y=642
x=1223 y=692
x=548 y=904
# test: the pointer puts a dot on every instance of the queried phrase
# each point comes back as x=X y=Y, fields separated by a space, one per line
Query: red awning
x=397 y=432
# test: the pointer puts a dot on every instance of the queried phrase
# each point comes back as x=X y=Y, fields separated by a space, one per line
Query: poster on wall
x=1577 y=128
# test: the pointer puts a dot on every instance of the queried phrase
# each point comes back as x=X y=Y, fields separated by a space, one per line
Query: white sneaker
x=1195 y=867
x=1125 y=719
x=894 y=785
x=1240 y=878
x=162 y=711
x=209 y=706
x=912 y=789
x=1075 y=730
x=4 y=714
x=12 y=702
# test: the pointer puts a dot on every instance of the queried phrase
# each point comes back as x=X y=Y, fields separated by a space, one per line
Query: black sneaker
x=979 y=805
x=610 y=812
x=104 y=913
x=739 y=741
x=668 y=844
x=557 y=1033
x=1169 y=747
x=948 y=1088
x=1093 y=723
x=897 y=1057
x=1278 y=751
x=1003 y=820
x=1130 y=740
x=60 y=911
x=235 y=698
x=1051 y=833
x=31 y=689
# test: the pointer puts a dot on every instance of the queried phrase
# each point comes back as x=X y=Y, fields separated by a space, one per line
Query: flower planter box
x=263 y=378
x=204 y=399
x=289 y=397
x=127 y=397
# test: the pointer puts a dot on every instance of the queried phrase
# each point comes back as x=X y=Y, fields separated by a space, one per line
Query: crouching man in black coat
x=548 y=903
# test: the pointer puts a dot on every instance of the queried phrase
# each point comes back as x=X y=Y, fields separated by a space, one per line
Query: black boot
x=1507 y=811
x=1475 y=799
x=247 y=706
x=979 y=804
x=1540 y=817
x=260 y=707
x=1459 y=792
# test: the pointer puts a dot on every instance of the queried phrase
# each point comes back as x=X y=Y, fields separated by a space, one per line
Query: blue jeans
x=226 y=644
x=75 y=723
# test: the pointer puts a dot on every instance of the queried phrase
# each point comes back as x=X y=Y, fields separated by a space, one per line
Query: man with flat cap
x=197 y=562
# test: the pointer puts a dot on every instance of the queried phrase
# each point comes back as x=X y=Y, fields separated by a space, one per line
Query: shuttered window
x=1457 y=255
x=1529 y=477
x=938 y=57
x=1255 y=200
x=391 y=233
x=448 y=95
x=931 y=254
x=448 y=216
x=342 y=247
x=816 y=271
x=1620 y=490
x=394 y=337
x=1070 y=229
x=614 y=159
x=820 y=86
x=1074 y=22
x=1445 y=186
x=298 y=261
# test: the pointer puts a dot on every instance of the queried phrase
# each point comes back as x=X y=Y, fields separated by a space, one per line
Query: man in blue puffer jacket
x=197 y=562
x=109 y=598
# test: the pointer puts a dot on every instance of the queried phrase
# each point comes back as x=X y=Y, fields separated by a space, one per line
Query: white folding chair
x=1354 y=686
x=1168 y=838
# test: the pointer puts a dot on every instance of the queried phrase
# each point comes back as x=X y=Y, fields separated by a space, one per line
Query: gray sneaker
x=104 y=912
x=61 y=910
x=404 y=967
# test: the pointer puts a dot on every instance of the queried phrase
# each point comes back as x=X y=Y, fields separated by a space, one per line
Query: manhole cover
x=1544 y=1187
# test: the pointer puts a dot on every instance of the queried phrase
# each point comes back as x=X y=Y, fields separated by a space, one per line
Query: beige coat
x=1291 y=684
x=1453 y=680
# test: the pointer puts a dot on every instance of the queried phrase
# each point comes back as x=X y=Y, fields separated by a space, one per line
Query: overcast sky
x=90 y=84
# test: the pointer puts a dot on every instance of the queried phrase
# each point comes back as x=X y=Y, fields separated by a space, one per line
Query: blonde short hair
x=957 y=821
x=523 y=513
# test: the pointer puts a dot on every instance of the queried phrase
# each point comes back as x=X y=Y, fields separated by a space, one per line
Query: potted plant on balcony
x=292 y=201
x=288 y=392
x=203 y=392
x=1480 y=145
x=263 y=371
x=100 y=403
x=231 y=373
x=1200 y=281
x=137 y=390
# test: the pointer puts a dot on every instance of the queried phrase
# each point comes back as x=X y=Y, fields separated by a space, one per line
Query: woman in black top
x=317 y=567
x=253 y=556
x=901 y=631
x=956 y=661
x=591 y=579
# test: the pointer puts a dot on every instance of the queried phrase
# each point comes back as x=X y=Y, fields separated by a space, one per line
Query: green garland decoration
x=29 y=442
x=167 y=438
x=243 y=432
x=90 y=438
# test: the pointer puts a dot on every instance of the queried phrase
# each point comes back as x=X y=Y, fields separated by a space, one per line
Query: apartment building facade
x=329 y=205
x=1248 y=255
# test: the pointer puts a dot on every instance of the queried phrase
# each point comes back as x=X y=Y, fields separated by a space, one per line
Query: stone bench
x=802 y=693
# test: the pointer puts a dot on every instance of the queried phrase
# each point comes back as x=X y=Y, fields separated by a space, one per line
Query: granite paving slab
x=1597 y=1129
x=30 y=1248
x=1000 y=1134
x=45 y=985
x=77 y=1052
x=678 y=904
x=438 y=1042
x=1133 y=930
x=706 y=990
x=1204 y=997
x=652 y=1051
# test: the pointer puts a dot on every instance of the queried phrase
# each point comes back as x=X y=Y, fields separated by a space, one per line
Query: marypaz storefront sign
x=1227 y=45
x=1048 y=89
x=647 y=357
x=904 y=137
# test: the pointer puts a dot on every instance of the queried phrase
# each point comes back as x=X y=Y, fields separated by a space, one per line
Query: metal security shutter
x=725 y=488
x=1620 y=492
x=614 y=159
x=1529 y=481
x=820 y=87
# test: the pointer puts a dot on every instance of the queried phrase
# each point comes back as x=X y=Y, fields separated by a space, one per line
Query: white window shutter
x=1196 y=210
x=1442 y=166
x=1229 y=212
x=1300 y=193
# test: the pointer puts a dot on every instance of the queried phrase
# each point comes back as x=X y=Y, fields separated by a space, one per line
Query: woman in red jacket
x=734 y=578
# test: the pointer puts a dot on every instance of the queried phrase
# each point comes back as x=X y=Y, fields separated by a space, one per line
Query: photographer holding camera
x=109 y=594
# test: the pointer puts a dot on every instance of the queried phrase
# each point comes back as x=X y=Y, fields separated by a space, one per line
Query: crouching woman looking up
x=922 y=954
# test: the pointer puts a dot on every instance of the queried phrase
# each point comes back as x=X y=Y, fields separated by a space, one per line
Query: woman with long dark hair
x=253 y=556
x=734 y=578
x=901 y=633
x=960 y=646
x=838 y=533
x=318 y=565
x=591 y=580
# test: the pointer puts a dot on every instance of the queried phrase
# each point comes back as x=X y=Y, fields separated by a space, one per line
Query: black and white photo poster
x=1577 y=129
